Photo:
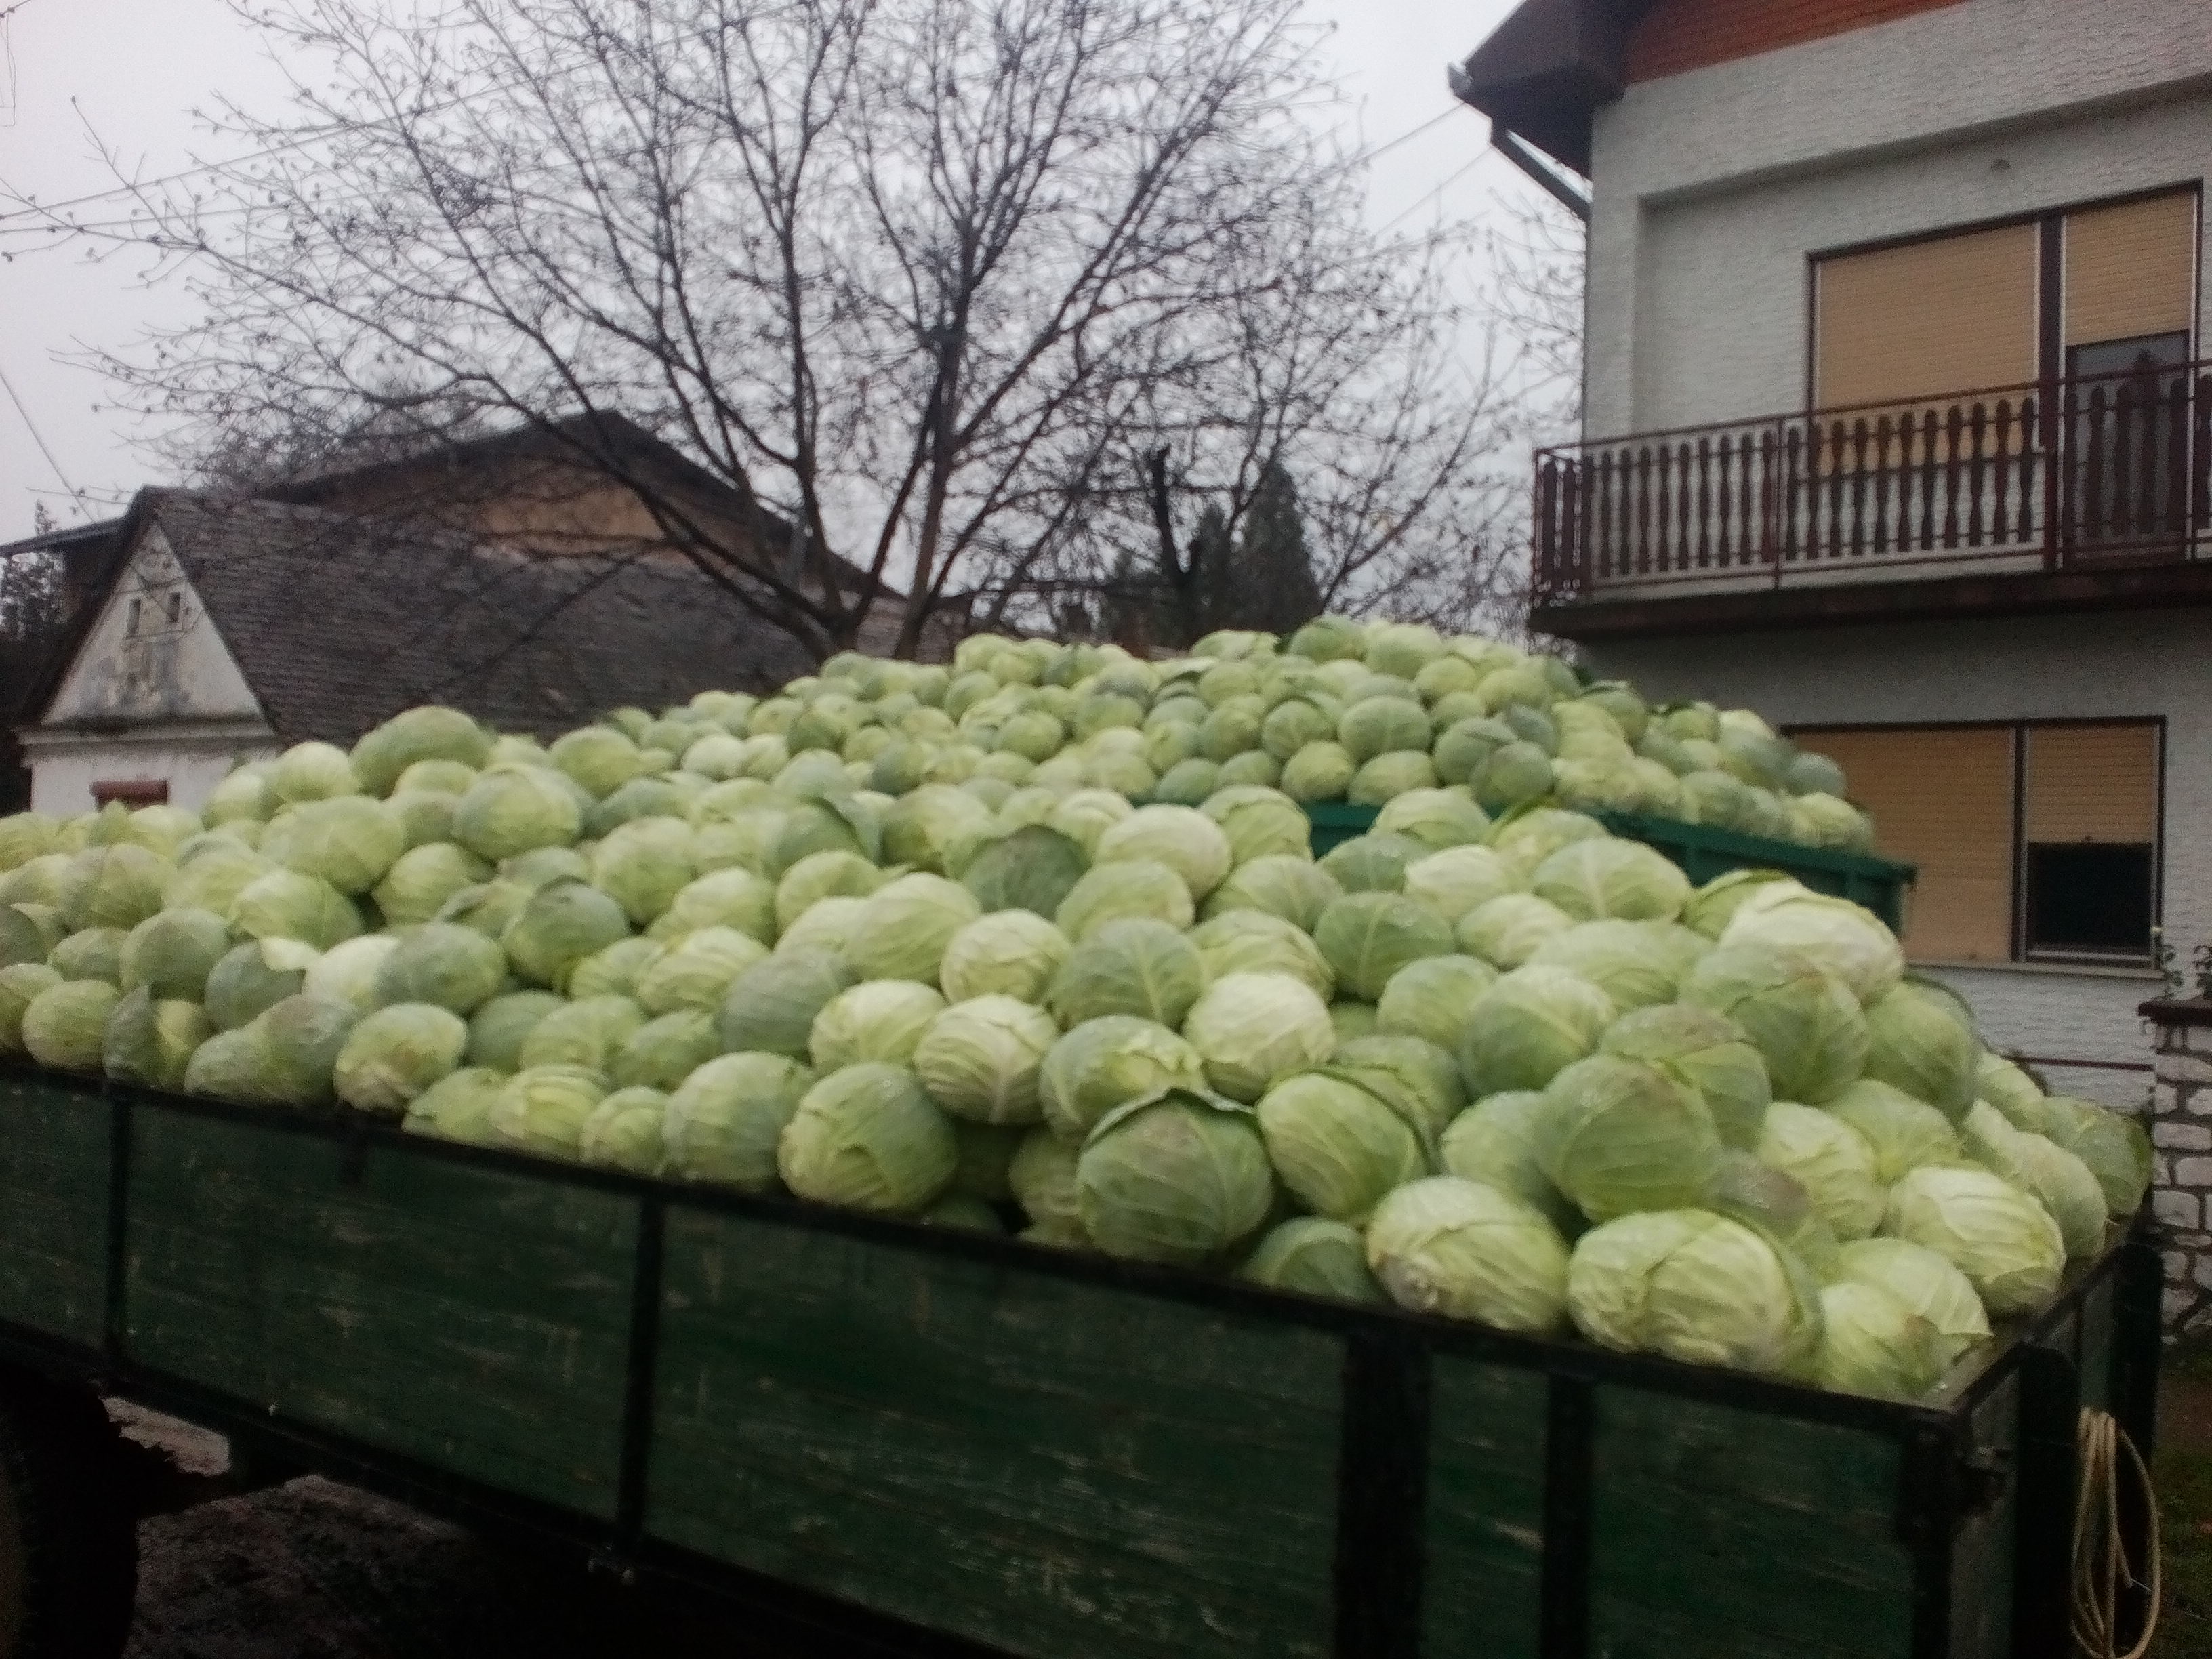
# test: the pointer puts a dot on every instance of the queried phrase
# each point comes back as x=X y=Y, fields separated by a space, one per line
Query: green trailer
x=953 y=1443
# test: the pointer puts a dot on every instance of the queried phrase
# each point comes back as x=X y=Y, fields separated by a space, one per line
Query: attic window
x=137 y=606
x=176 y=606
x=138 y=792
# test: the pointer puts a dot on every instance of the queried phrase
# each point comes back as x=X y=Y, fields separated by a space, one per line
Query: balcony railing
x=2041 y=475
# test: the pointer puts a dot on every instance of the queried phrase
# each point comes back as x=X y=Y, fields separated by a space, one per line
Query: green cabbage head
x=724 y=1120
x=1177 y=1176
x=1338 y=1148
x=2000 y=1238
x=1466 y=1250
x=867 y=1137
x=1528 y=1027
x=1696 y=1287
x=1618 y=1136
x=1250 y=1030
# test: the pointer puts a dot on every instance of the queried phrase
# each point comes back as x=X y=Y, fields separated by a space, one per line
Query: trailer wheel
x=68 y=1538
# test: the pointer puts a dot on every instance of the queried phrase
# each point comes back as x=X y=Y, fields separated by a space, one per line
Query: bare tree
x=1537 y=255
x=916 y=282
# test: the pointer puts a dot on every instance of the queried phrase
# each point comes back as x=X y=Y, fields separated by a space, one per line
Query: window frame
x=2019 y=954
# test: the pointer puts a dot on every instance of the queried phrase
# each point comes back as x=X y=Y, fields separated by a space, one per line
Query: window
x=2035 y=842
x=138 y=792
x=137 y=608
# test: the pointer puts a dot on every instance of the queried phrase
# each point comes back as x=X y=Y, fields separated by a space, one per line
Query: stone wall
x=2181 y=1179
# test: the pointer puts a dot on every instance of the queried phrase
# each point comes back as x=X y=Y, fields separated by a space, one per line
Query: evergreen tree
x=1269 y=584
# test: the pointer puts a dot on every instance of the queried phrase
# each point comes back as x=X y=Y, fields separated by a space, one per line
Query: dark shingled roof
x=339 y=623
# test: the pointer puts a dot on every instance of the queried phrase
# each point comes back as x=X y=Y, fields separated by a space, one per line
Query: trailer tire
x=69 y=1539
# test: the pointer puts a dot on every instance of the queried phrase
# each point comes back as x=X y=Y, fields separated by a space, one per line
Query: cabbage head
x=117 y=886
x=729 y=897
x=643 y=864
x=457 y=1107
x=2114 y=1146
x=1696 y=1287
x=210 y=877
x=511 y=809
x=1313 y=1256
x=1337 y=1148
x=94 y=953
x=901 y=931
x=1915 y=1043
x=1454 y=881
x=1005 y=952
x=1803 y=1020
x=348 y=973
x=349 y=841
x=498 y=1028
x=664 y=1051
x=2062 y=1184
x=1178 y=1176
x=1250 y=1030
x=867 y=1137
x=1431 y=999
x=770 y=1008
x=1320 y=771
x=559 y=925
x=312 y=771
x=1872 y=1343
x=1414 y=1077
x=1467 y=1250
x=1708 y=1051
x=253 y=976
x=586 y=1033
x=1494 y=1141
x=1366 y=938
x=2008 y=1088
x=1530 y=1027
x=612 y=970
x=395 y=1053
x=1042 y=1176
x=877 y=1019
x=724 y=1120
x=697 y=970
x=1437 y=818
x=1259 y=822
x=2000 y=1237
x=1903 y=1132
x=1391 y=776
x=1600 y=877
x=1031 y=868
x=1084 y=816
x=624 y=1133
x=150 y=1043
x=1107 y=1061
x=423 y=879
x=980 y=1059
x=1373 y=863
x=1632 y=961
x=19 y=984
x=1128 y=967
x=298 y=1042
x=542 y=1109
x=1619 y=1136
x=1378 y=726
x=287 y=904
x=1280 y=883
x=827 y=928
x=1925 y=1282
x=598 y=758
x=456 y=968
x=1254 y=942
x=173 y=953
x=1181 y=838
x=1830 y=1160
x=1846 y=939
x=426 y=736
x=1507 y=930
x=1123 y=890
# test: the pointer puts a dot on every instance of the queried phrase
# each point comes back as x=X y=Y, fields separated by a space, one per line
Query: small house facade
x=1899 y=429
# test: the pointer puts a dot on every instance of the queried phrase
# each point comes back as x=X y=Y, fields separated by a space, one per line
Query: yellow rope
x=2101 y=1568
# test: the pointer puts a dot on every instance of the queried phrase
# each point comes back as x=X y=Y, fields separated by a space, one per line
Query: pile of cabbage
x=1505 y=1067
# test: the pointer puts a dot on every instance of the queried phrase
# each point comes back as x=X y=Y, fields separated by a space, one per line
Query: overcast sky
x=134 y=72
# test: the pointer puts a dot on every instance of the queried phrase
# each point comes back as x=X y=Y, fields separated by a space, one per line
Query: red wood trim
x=1678 y=35
x=139 y=792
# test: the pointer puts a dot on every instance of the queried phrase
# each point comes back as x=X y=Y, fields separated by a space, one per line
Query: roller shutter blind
x=2091 y=783
x=1942 y=798
x=2131 y=269
x=1929 y=319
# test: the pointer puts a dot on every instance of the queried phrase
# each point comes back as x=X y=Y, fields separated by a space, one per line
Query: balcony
x=2089 y=492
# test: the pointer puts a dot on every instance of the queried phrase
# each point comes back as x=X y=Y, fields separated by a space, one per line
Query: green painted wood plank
x=2099 y=1308
x=1719 y=1530
x=1982 y=1553
x=1056 y=1469
x=1482 y=1584
x=54 y=1148
x=472 y=1318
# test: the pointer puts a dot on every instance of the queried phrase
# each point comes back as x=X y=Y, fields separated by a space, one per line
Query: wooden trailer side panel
x=1482 y=1584
x=1017 y=1459
x=1715 y=1529
x=474 y=1320
x=54 y=1161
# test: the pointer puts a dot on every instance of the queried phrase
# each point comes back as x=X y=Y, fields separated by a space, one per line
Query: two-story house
x=1898 y=430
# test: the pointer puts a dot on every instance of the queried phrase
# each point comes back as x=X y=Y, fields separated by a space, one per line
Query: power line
x=31 y=426
x=12 y=10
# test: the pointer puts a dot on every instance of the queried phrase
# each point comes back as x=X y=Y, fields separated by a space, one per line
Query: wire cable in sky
x=30 y=426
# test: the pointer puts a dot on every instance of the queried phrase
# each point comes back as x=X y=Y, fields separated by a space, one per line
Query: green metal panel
x=1719 y=1530
x=1482 y=1584
x=1054 y=1467
x=1334 y=824
x=2097 y=1338
x=1981 y=1554
x=54 y=1153
x=474 y=1319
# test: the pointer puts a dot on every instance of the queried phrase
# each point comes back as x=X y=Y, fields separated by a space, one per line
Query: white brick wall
x=1712 y=187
